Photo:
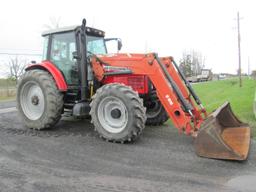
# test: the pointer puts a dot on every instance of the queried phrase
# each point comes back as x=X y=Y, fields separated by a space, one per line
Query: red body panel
x=139 y=83
x=54 y=71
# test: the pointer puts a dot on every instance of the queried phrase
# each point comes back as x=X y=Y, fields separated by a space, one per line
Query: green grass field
x=215 y=93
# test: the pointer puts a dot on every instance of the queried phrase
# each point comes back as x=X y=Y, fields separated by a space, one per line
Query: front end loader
x=121 y=93
x=219 y=135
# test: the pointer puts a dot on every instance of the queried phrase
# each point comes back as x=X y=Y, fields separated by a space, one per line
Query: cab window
x=63 y=45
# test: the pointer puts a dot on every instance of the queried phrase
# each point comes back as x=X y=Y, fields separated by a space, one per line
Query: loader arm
x=170 y=88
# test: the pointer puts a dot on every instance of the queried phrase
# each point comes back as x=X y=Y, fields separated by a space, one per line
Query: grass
x=215 y=93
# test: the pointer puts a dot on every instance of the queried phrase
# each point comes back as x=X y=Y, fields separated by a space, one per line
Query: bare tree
x=53 y=24
x=16 y=68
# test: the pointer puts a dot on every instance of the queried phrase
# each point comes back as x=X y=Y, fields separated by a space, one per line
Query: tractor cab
x=64 y=47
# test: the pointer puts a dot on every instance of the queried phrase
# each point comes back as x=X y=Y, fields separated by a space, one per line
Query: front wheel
x=117 y=113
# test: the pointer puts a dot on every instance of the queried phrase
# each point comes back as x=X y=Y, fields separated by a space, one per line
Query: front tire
x=117 y=113
x=39 y=102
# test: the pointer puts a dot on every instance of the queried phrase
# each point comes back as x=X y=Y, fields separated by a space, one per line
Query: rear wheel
x=38 y=100
x=117 y=113
x=156 y=114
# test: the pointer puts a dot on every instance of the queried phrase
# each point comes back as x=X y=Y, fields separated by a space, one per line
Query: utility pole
x=239 y=49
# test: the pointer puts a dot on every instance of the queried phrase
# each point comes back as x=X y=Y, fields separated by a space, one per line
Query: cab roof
x=89 y=31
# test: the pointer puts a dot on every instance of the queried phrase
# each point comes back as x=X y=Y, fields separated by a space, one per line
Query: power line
x=24 y=54
x=19 y=50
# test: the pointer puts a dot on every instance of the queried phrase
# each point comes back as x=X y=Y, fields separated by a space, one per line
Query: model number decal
x=169 y=99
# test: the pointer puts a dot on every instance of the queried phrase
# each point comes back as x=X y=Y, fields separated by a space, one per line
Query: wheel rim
x=112 y=114
x=154 y=109
x=32 y=100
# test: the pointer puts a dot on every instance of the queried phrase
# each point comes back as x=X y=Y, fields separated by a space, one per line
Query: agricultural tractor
x=122 y=93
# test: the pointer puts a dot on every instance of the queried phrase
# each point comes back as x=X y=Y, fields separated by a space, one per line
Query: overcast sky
x=165 y=26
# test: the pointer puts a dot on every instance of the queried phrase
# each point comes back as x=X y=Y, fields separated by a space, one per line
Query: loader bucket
x=223 y=136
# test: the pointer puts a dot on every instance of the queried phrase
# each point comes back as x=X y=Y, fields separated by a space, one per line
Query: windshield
x=96 y=45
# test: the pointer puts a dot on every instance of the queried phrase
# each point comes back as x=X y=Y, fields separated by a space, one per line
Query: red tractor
x=122 y=93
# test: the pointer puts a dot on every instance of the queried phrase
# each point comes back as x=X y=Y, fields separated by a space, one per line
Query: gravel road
x=71 y=157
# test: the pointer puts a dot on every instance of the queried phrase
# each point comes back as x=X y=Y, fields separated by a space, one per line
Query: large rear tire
x=39 y=101
x=117 y=113
x=156 y=114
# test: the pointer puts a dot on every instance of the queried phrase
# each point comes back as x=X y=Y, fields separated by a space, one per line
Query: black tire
x=52 y=102
x=156 y=114
x=130 y=107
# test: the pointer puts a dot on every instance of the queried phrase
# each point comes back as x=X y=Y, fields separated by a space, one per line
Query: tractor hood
x=121 y=56
x=122 y=63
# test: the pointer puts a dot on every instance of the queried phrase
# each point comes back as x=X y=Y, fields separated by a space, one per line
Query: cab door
x=61 y=54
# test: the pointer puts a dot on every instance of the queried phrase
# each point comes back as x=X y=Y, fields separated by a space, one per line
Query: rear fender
x=54 y=71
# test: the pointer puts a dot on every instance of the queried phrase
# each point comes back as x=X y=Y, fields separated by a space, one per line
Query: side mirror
x=76 y=55
x=119 y=44
x=117 y=40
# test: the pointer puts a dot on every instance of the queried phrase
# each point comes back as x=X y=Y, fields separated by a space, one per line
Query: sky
x=168 y=27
